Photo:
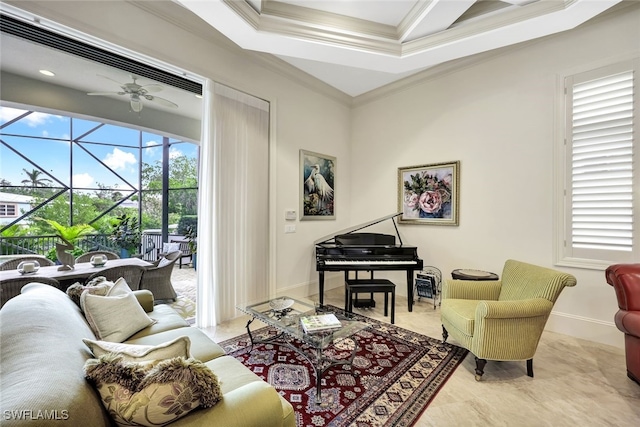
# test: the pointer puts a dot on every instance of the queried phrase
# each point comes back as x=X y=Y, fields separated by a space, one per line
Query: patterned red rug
x=394 y=376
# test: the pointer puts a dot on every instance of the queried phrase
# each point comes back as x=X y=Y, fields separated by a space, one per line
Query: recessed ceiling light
x=47 y=73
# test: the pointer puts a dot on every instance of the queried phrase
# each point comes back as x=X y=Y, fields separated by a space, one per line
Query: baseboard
x=585 y=328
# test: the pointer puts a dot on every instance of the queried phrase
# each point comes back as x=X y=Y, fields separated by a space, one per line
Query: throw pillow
x=120 y=287
x=114 y=318
x=170 y=247
x=178 y=347
x=152 y=393
x=163 y=262
x=98 y=286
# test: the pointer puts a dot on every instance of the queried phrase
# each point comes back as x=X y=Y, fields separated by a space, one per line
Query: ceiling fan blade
x=109 y=78
x=153 y=87
x=161 y=101
x=105 y=93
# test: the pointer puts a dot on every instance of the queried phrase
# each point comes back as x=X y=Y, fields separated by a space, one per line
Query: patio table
x=80 y=272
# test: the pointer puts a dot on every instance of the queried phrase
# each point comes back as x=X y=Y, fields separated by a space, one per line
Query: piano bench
x=353 y=287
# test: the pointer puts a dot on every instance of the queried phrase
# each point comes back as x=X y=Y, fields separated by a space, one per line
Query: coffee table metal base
x=316 y=359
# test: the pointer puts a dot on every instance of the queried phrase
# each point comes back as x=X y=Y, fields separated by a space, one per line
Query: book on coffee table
x=320 y=322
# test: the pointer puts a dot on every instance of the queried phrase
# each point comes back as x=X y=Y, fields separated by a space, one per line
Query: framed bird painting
x=317 y=186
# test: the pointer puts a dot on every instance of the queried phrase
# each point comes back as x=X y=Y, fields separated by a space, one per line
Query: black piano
x=350 y=251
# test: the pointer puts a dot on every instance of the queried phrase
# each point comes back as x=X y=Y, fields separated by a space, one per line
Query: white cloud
x=83 y=180
x=32 y=120
x=174 y=152
x=120 y=160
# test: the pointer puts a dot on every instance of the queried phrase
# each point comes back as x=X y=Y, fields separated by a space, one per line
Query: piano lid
x=326 y=239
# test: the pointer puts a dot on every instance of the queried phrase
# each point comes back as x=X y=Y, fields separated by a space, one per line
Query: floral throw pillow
x=152 y=393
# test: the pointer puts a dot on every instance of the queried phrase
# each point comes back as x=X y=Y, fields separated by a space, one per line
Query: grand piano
x=349 y=251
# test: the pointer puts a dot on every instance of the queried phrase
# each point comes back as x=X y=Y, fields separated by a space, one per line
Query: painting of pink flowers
x=429 y=194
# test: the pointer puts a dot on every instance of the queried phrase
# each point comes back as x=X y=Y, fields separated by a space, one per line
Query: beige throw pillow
x=114 y=318
x=178 y=347
x=152 y=393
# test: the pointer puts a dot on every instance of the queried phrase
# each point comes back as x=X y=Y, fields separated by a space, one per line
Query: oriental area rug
x=394 y=376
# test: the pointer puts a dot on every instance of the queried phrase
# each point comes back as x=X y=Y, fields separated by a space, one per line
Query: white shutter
x=602 y=163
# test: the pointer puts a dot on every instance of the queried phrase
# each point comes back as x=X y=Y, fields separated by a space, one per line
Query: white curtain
x=233 y=204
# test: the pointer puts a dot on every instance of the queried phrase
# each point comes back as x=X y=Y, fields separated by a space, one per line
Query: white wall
x=306 y=114
x=497 y=118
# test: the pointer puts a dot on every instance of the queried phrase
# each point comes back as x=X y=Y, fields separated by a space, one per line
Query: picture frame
x=317 y=186
x=429 y=194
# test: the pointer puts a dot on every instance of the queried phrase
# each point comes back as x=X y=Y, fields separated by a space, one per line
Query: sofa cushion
x=42 y=356
x=165 y=318
x=97 y=286
x=178 y=347
x=202 y=347
x=114 y=318
x=152 y=393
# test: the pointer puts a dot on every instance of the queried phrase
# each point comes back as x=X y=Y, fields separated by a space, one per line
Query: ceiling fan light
x=136 y=104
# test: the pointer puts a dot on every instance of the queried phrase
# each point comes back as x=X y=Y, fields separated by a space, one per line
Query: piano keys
x=350 y=251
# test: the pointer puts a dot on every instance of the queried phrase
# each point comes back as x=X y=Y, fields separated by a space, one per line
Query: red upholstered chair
x=625 y=279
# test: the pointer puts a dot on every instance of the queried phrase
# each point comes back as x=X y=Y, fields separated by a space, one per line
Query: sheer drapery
x=233 y=214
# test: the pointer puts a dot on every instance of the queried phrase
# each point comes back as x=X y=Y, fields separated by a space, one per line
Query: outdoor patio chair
x=132 y=274
x=13 y=263
x=157 y=279
x=87 y=257
x=185 y=251
x=12 y=287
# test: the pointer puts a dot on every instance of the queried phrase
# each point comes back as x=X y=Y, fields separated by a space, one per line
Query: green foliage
x=69 y=234
x=16 y=230
x=191 y=235
x=125 y=232
x=186 y=222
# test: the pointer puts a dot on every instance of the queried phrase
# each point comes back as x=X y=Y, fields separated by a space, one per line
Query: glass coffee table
x=284 y=315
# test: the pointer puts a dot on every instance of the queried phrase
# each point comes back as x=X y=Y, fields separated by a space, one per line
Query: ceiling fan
x=137 y=93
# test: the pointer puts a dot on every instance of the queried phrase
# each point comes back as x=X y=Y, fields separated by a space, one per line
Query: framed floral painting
x=317 y=186
x=429 y=194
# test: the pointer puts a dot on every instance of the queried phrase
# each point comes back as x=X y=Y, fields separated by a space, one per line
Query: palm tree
x=33 y=180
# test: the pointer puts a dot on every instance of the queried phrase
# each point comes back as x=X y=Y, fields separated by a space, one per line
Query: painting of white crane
x=317 y=195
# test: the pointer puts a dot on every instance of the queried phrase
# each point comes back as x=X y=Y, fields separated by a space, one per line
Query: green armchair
x=502 y=319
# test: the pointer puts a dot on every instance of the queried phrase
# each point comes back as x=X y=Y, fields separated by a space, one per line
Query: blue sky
x=53 y=153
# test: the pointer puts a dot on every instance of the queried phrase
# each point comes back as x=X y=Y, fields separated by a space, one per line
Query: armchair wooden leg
x=480 y=368
x=530 y=367
x=445 y=334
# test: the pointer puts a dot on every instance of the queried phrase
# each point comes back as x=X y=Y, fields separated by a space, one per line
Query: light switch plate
x=290 y=215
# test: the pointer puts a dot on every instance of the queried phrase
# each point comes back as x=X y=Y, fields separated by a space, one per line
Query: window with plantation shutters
x=601 y=185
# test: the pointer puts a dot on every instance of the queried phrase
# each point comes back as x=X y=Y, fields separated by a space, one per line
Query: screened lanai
x=76 y=171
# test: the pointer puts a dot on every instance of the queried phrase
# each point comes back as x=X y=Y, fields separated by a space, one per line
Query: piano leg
x=321 y=287
x=410 y=289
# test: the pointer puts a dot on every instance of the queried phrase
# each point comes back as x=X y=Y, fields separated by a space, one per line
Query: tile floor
x=577 y=382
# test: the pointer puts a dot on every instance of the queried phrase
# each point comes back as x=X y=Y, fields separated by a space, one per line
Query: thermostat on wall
x=290 y=214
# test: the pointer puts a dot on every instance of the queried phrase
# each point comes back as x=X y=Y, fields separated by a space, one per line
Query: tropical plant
x=125 y=232
x=69 y=233
x=191 y=235
x=34 y=179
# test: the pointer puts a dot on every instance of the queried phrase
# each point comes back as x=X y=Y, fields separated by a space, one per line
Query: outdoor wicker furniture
x=157 y=279
x=87 y=257
x=131 y=273
x=13 y=263
x=11 y=288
